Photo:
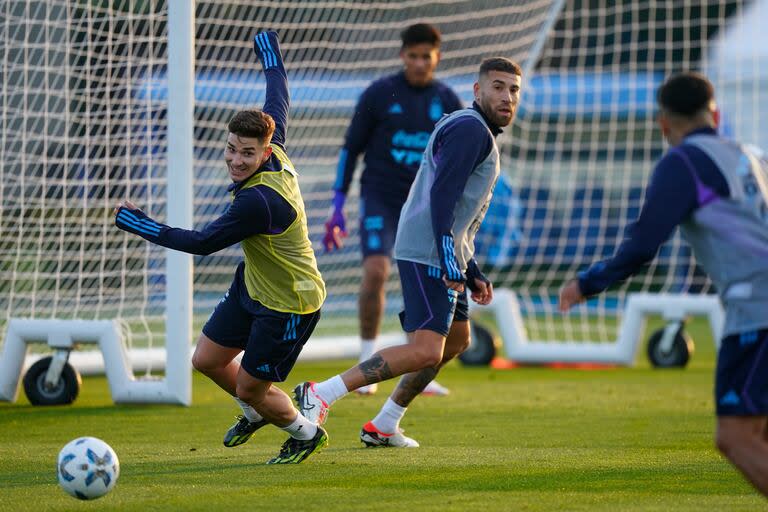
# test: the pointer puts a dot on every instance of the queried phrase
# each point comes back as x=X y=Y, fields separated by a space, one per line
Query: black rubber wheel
x=679 y=354
x=482 y=348
x=65 y=391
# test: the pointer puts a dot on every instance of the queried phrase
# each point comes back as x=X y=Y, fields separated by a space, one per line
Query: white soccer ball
x=88 y=468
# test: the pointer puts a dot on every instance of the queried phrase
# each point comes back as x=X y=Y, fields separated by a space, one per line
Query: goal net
x=585 y=143
x=84 y=124
x=83 y=113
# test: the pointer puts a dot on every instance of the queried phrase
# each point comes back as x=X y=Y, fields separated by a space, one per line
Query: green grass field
x=522 y=439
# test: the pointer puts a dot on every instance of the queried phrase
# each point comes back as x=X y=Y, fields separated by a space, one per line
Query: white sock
x=331 y=390
x=388 y=419
x=301 y=428
x=367 y=349
x=248 y=411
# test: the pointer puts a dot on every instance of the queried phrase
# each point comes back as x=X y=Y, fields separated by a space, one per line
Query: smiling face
x=244 y=156
x=498 y=94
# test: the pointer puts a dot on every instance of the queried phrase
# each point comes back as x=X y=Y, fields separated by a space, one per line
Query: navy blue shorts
x=378 y=224
x=429 y=304
x=272 y=340
x=741 y=379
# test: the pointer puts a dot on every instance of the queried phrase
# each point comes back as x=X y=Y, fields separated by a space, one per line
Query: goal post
x=71 y=126
x=103 y=101
x=100 y=102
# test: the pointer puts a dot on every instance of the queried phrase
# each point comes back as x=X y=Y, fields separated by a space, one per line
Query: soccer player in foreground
x=434 y=250
x=274 y=301
x=717 y=191
x=392 y=123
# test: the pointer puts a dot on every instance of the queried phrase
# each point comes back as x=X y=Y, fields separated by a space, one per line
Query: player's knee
x=728 y=439
x=427 y=357
x=250 y=394
x=459 y=347
x=375 y=273
x=202 y=363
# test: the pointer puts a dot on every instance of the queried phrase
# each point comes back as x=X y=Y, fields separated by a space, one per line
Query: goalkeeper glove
x=335 y=228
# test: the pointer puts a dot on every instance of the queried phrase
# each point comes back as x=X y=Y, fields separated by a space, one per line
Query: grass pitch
x=522 y=439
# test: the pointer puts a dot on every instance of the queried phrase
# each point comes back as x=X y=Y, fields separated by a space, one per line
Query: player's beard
x=490 y=111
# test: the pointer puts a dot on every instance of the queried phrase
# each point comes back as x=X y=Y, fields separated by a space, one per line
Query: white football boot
x=374 y=438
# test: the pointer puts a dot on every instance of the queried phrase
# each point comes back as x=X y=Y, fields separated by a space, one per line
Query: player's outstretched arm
x=249 y=214
x=671 y=197
x=266 y=45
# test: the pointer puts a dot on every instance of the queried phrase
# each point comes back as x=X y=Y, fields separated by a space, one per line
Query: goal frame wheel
x=483 y=346
x=40 y=392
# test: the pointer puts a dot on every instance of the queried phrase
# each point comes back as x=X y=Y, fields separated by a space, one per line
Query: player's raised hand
x=570 y=295
x=124 y=204
x=266 y=45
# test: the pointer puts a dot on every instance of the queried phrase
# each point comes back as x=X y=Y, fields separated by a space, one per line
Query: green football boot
x=295 y=451
x=242 y=431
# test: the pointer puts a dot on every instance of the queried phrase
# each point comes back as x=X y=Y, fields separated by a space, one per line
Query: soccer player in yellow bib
x=274 y=301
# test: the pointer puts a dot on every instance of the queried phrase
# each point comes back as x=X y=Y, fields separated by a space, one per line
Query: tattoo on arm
x=412 y=384
x=375 y=369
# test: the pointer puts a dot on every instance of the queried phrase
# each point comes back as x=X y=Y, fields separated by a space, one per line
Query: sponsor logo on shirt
x=408 y=147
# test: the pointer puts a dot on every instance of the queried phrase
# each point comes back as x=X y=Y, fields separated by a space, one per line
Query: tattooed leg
x=423 y=350
x=375 y=369
x=411 y=385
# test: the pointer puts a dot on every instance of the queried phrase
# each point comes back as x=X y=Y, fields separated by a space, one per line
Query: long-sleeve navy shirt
x=671 y=197
x=254 y=210
x=460 y=146
x=392 y=124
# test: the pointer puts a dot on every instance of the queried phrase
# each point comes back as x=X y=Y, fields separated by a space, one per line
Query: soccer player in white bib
x=393 y=120
x=434 y=249
x=716 y=190
x=273 y=304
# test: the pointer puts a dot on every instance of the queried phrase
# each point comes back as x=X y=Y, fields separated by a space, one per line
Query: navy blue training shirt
x=391 y=125
x=254 y=210
x=460 y=146
x=672 y=196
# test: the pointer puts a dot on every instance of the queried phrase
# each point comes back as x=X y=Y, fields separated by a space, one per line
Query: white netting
x=84 y=97
x=83 y=125
x=585 y=144
x=76 y=137
x=332 y=50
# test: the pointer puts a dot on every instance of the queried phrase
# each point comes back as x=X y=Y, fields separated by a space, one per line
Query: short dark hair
x=685 y=94
x=502 y=64
x=420 y=33
x=252 y=123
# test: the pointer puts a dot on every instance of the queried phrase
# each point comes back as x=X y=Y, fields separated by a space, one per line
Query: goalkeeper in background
x=392 y=122
x=274 y=301
x=717 y=191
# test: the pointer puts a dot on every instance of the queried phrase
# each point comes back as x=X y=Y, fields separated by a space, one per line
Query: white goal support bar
x=119 y=364
x=176 y=385
x=65 y=334
x=672 y=307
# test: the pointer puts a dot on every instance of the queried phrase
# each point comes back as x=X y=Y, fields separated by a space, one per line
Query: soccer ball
x=88 y=468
